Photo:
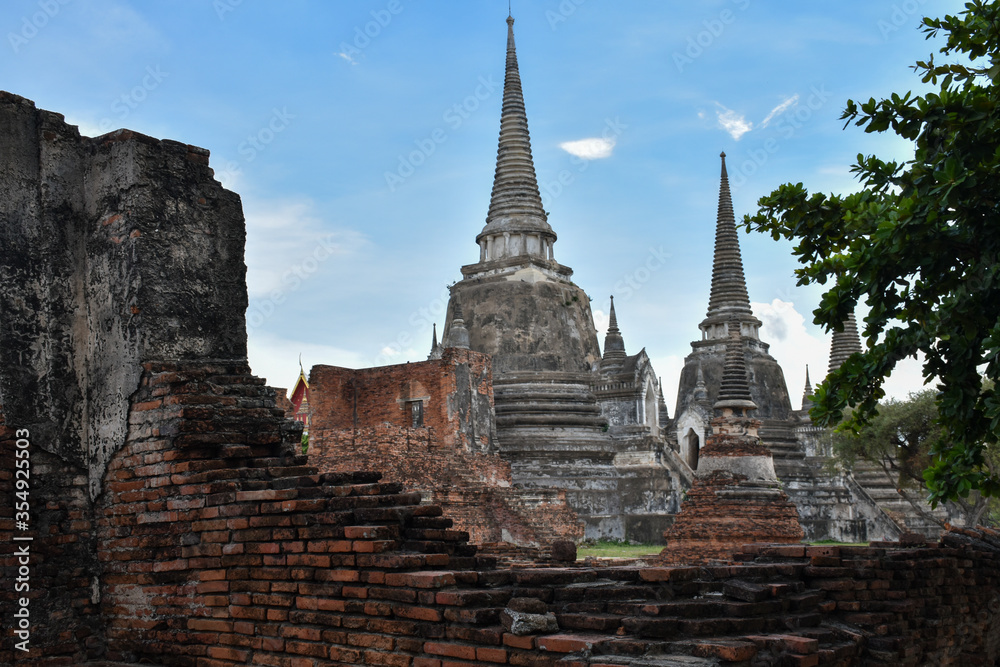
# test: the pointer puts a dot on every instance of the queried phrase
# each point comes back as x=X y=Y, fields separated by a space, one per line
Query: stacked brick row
x=474 y=488
x=929 y=604
x=219 y=547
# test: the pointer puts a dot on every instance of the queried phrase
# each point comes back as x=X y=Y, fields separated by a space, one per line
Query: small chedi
x=736 y=497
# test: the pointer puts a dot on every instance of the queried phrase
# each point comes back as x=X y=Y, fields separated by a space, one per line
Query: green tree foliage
x=898 y=440
x=920 y=243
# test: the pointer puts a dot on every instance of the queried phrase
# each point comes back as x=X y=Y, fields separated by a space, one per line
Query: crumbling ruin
x=431 y=427
x=593 y=426
x=570 y=425
x=172 y=521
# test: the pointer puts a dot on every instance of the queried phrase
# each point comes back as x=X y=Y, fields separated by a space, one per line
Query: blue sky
x=362 y=138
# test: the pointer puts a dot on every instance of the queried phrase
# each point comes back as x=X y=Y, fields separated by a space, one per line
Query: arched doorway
x=651 y=408
x=692 y=443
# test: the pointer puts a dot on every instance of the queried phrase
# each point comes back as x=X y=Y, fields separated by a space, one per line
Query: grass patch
x=617 y=550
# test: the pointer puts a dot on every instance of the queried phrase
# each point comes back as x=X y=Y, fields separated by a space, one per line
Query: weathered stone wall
x=61 y=575
x=528 y=325
x=115 y=250
x=767 y=381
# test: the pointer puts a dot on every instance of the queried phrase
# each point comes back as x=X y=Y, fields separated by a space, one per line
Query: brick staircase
x=219 y=548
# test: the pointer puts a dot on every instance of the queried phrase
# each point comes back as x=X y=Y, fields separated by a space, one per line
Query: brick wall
x=360 y=421
x=219 y=547
x=61 y=574
x=456 y=392
x=474 y=489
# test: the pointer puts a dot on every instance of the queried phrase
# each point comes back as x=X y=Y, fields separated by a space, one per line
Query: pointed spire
x=807 y=393
x=845 y=343
x=700 y=389
x=516 y=223
x=457 y=335
x=302 y=373
x=614 y=344
x=735 y=389
x=435 y=347
x=729 y=296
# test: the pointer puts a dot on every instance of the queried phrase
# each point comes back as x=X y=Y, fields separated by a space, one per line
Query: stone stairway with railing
x=874 y=480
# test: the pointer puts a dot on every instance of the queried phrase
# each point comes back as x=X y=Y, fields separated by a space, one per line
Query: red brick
x=451 y=650
x=209 y=625
x=514 y=641
x=567 y=643
x=728 y=650
x=418 y=613
x=223 y=653
x=491 y=655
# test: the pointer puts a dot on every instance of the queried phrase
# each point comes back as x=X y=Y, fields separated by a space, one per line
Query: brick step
x=432 y=522
x=368 y=492
x=677 y=609
x=451 y=548
x=436 y=534
x=389 y=505
x=592 y=622
x=604 y=591
x=670 y=628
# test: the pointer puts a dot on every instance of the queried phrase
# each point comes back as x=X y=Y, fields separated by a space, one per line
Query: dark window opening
x=416 y=413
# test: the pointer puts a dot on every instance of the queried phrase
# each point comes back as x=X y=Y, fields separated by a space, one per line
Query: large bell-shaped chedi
x=520 y=306
x=519 y=303
x=729 y=307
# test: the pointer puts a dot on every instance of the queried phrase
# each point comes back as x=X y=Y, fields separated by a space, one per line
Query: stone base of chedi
x=736 y=497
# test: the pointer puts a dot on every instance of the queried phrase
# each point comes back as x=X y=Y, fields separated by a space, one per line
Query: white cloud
x=601 y=320
x=780 y=109
x=595 y=148
x=347 y=57
x=732 y=122
x=287 y=242
x=793 y=345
